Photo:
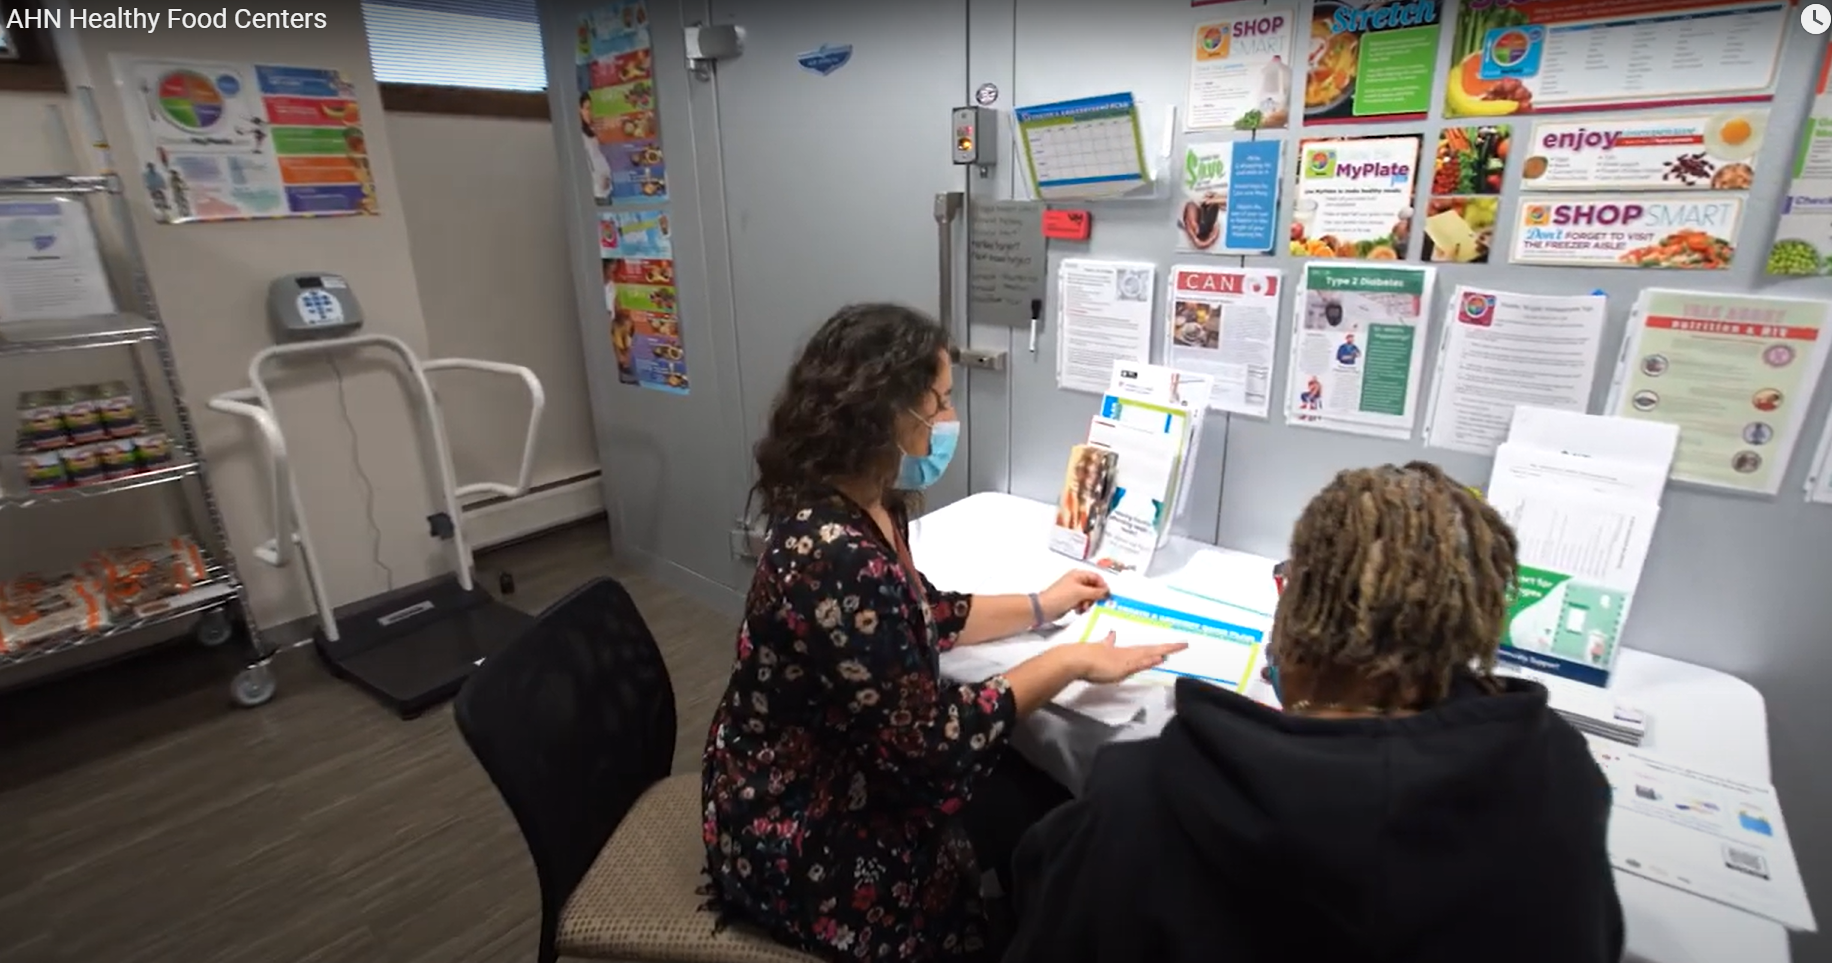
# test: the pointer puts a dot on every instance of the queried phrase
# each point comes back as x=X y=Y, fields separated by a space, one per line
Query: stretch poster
x=1536 y=56
x=641 y=300
x=1735 y=372
x=1371 y=59
x=619 y=132
x=243 y=141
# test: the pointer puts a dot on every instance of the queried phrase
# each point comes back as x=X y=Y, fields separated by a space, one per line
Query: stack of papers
x=1590 y=710
x=1720 y=838
x=1151 y=418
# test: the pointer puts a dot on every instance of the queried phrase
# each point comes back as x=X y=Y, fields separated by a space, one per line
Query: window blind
x=494 y=44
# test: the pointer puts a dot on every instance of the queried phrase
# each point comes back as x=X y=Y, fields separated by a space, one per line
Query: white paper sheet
x=1720 y=838
x=1819 y=483
x=50 y=266
x=1223 y=322
x=1103 y=311
x=1501 y=349
x=1234 y=579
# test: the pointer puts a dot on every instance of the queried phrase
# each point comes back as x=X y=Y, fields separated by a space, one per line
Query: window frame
x=35 y=70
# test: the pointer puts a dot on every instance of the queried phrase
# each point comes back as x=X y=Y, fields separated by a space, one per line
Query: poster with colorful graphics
x=1803 y=233
x=1523 y=56
x=1354 y=198
x=1715 y=153
x=237 y=141
x=645 y=325
x=1735 y=372
x=1358 y=333
x=1230 y=197
x=640 y=234
x=618 y=128
x=1371 y=60
x=1681 y=231
x=1240 y=74
x=1466 y=178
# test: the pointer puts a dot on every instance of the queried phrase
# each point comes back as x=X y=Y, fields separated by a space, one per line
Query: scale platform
x=412 y=648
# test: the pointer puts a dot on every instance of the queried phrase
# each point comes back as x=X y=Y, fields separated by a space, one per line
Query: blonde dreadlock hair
x=1399 y=577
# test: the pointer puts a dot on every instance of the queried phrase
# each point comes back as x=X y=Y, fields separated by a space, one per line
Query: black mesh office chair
x=575 y=725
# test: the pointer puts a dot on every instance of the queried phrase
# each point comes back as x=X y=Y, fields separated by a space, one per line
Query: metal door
x=832 y=166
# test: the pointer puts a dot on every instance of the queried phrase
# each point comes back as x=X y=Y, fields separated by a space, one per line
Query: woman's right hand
x=1106 y=662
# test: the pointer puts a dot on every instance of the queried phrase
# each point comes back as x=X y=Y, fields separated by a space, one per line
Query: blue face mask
x=917 y=472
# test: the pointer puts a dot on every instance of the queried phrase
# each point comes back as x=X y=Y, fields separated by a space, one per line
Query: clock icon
x=1815 y=18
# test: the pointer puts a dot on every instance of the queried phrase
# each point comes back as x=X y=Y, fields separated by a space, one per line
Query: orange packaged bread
x=138 y=574
x=35 y=612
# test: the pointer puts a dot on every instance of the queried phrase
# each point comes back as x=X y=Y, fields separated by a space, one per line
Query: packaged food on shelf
x=44 y=471
x=120 y=416
x=81 y=464
x=136 y=575
x=41 y=421
x=81 y=419
x=56 y=610
x=118 y=458
x=153 y=450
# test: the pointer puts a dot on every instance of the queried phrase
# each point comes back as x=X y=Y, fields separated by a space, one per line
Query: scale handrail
x=244 y=403
x=537 y=403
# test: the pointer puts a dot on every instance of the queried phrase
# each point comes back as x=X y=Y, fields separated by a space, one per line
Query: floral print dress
x=839 y=758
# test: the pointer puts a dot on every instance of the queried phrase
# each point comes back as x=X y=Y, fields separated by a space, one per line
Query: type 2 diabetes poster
x=618 y=129
x=1534 y=56
x=1371 y=59
x=235 y=141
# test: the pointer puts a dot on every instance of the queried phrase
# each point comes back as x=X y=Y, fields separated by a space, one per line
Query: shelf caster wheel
x=213 y=629
x=253 y=686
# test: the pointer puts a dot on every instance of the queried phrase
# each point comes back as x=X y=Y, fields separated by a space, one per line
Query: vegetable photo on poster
x=1371 y=59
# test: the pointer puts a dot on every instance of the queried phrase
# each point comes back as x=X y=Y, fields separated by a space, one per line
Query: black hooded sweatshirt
x=1472 y=831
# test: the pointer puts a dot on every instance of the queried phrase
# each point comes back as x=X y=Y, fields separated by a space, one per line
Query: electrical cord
x=356 y=459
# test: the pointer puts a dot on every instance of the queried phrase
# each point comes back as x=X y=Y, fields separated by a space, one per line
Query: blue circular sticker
x=229 y=85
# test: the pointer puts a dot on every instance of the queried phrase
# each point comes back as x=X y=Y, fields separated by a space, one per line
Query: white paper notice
x=50 y=267
x=1241 y=73
x=1721 y=838
x=1224 y=323
x=1104 y=315
x=1819 y=484
x=1502 y=349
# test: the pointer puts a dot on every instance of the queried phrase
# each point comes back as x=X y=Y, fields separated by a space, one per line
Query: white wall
x=480 y=220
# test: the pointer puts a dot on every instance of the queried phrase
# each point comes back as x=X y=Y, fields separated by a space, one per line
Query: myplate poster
x=1567 y=55
x=240 y=141
x=1684 y=231
x=1715 y=153
x=1355 y=198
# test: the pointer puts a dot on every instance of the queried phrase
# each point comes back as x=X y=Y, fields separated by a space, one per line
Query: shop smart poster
x=239 y=141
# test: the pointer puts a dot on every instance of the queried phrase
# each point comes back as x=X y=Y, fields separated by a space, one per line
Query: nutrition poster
x=1736 y=373
x=1230 y=197
x=1567 y=55
x=618 y=129
x=640 y=297
x=1684 y=231
x=1354 y=198
x=1358 y=332
x=1707 y=153
x=236 y=141
x=1803 y=234
x=1371 y=59
x=1466 y=177
x=1240 y=72
x=1224 y=323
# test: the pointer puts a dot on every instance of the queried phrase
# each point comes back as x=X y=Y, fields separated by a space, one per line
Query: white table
x=995 y=543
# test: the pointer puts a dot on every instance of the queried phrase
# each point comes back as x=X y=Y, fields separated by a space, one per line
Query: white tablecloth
x=993 y=543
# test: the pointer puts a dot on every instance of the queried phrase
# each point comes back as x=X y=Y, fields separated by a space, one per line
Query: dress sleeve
x=950 y=611
x=928 y=736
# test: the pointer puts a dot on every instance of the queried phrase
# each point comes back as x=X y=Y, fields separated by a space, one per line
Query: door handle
x=947 y=208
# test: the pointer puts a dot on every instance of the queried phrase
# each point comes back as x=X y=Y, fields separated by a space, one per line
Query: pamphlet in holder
x=1151 y=419
x=1087 y=496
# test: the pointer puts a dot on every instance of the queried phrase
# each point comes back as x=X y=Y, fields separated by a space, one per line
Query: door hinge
x=748 y=539
x=706 y=46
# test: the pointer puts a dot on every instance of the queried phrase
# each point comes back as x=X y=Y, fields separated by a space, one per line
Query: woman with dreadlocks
x=1406 y=805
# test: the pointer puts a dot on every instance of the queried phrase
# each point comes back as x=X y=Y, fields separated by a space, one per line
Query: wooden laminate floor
x=143 y=819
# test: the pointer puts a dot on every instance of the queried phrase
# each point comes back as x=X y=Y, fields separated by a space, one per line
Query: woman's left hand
x=1076 y=591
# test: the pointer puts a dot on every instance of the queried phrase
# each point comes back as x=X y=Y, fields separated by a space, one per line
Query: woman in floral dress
x=841 y=771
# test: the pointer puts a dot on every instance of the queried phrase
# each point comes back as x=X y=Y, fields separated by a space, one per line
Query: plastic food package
x=81 y=464
x=81 y=419
x=115 y=404
x=153 y=451
x=41 y=421
x=33 y=613
x=44 y=471
x=117 y=457
x=134 y=576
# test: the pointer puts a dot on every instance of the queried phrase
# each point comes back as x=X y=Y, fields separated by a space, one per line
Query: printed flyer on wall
x=1220 y=652
x=1803 y=234
x=1819 y=481
x=50 y=264
x=1230 y=197
x=1224 y=323
x=1502 y=349
x=1715 y=153
x=1371 y=59
x=645 y=325
x=1086 y=148
x=634 y=234
x=1103 y=311
x=1354 y=198
x=1569 y=55
x=235 y=141
x=1735 y=372
x=1685 y=231
x=1240 y=76
x=1358 y=332
x=618 y=128
x=1466 y=179
x=1719 y=837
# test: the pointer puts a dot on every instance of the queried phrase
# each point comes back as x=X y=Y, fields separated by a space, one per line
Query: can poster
x=243 y=141
x=1354 y=198
x=1706 y=153
x=1694 y=232
x=619 y=131
x=1538 y=56
x=1371 y=60
x=1735 y=372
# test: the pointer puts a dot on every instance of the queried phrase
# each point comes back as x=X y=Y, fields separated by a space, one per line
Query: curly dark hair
x=835 y=419
x=1399 y=577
